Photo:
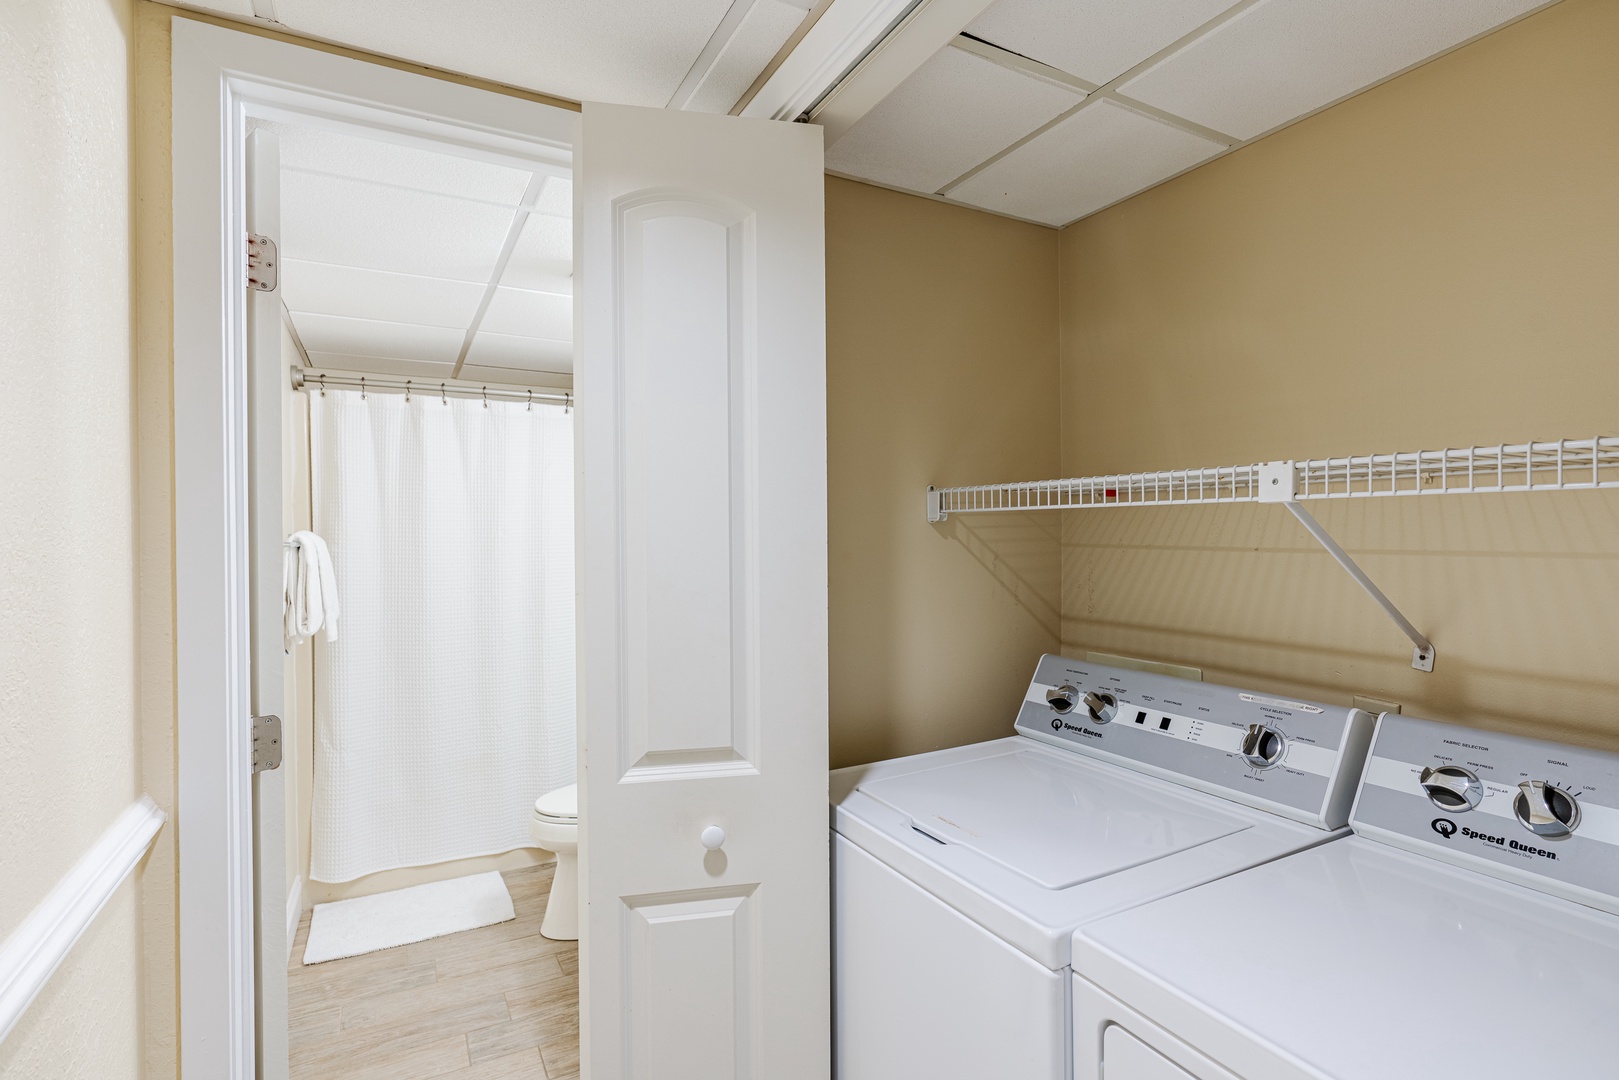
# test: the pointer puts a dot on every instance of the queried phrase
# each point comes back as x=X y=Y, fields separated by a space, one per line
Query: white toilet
x=555 y=827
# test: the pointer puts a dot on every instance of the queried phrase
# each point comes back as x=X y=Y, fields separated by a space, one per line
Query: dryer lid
x=1055 y=822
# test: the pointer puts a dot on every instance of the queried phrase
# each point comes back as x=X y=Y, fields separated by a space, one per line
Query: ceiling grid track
x=1106 y=92
x=531 y=195
x=723 y=33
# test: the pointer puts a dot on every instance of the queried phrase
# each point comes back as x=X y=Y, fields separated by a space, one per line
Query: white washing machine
x=1470 y=929
x=960 y=876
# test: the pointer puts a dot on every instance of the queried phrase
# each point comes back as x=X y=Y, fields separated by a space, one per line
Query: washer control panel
x=1300 y=759
x=1542 y=814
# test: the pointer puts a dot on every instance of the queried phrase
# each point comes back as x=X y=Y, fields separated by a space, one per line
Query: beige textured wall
x=68 y=740
x=1433 y=263
x=941 y=369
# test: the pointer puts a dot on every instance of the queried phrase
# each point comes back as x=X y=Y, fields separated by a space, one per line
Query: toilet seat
x=560 y=806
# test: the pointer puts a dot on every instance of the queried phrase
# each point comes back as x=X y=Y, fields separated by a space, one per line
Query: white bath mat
x=385 y=920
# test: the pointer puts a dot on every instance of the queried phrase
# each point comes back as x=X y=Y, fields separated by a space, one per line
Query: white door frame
x=221 y=78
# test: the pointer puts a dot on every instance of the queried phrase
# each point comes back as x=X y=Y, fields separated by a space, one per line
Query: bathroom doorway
x=422 y=294
x=701 y=563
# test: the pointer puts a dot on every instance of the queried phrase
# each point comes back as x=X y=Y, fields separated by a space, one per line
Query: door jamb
x=221 y=77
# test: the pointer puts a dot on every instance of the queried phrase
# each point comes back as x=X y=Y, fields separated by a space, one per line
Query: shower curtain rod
x=316 y=379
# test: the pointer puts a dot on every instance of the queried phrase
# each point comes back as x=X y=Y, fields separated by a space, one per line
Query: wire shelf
x=1565 y=465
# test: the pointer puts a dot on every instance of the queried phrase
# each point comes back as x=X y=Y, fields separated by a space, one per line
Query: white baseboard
x=33 y=952
x=295 y=911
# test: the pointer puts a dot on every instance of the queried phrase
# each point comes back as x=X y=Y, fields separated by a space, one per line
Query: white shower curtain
x=446 y=706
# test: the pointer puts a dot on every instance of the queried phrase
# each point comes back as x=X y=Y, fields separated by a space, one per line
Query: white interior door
x=701 y=383
x=267 y=389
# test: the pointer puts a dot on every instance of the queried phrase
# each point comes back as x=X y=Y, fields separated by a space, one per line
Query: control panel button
x=1062 y=698
x=1546 y=810
x=1103 y=707
x=1453 y=788
x=1262 y=746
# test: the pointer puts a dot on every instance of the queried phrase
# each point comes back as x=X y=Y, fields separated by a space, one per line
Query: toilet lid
x=563 y=803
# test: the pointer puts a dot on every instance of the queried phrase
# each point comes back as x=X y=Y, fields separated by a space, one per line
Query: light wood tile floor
x=497 y=1003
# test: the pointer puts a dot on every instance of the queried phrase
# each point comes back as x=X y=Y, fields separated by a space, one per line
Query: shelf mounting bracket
x=1276 y=485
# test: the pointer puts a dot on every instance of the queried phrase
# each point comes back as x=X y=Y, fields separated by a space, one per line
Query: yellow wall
x=1433 y=263
x=941 y=368
x=68 y=739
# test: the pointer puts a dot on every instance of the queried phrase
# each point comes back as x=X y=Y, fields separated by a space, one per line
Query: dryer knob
x=1546 y=810
x=1262 y=746
x=1103 y=707
x=1062 y=698
x=1453 y=788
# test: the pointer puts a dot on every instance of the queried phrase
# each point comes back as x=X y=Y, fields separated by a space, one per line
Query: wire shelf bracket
x=1565 y=465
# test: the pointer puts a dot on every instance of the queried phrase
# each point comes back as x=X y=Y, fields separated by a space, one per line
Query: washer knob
x=1546 y=810
x=1062 y=698
x=1103 y=707
x=1453 y=788
x=1262 y=746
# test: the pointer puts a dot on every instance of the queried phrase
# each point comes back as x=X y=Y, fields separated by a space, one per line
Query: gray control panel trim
x=1580 y=863
x=1194 y=734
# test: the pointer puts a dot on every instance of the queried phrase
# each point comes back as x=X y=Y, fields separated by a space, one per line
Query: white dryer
x=960 y=876
x=1470 y=929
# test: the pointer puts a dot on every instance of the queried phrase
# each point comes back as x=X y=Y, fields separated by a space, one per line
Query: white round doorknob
x=713 y=837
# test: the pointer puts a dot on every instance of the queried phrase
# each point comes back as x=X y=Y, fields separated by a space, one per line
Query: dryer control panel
x=1543 y=814
x=1300 y=759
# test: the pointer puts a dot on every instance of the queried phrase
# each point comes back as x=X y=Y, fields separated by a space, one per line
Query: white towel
x=308 y=588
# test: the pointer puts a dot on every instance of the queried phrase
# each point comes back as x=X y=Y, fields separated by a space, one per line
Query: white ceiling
x=402 y=260
x=1051 y=110
x=696 y=54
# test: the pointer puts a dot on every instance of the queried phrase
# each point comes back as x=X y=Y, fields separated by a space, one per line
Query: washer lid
x=1310 y=953
x=561 y=804
x=1053 y=822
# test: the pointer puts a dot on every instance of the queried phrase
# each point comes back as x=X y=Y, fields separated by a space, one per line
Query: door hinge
x=262 y=265
x=266 y=743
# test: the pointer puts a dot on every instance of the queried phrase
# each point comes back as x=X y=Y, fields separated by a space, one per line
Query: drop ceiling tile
x=766 y=27
x=323 y=150
x=635 y=52
x=356 y=223
x=1283 y=58
x=1097 y=40
x=375 y=365
x=529 y=314
x=556 y=197
x=325 y=289
x=1101 y=154
x=366 y=337
x=520 y=353
x=955 y=111
x=549 y=380
x=241 y=9
x=543 y=255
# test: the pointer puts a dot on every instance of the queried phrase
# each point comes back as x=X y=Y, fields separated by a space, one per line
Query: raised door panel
x=685 y=428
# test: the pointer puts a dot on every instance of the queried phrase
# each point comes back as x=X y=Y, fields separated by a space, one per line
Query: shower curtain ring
x=443 y=394
x=323 y=386
x=531 y=401
x=486 y=397
x=407 y=391
x=567 y=403
x=362 y=387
